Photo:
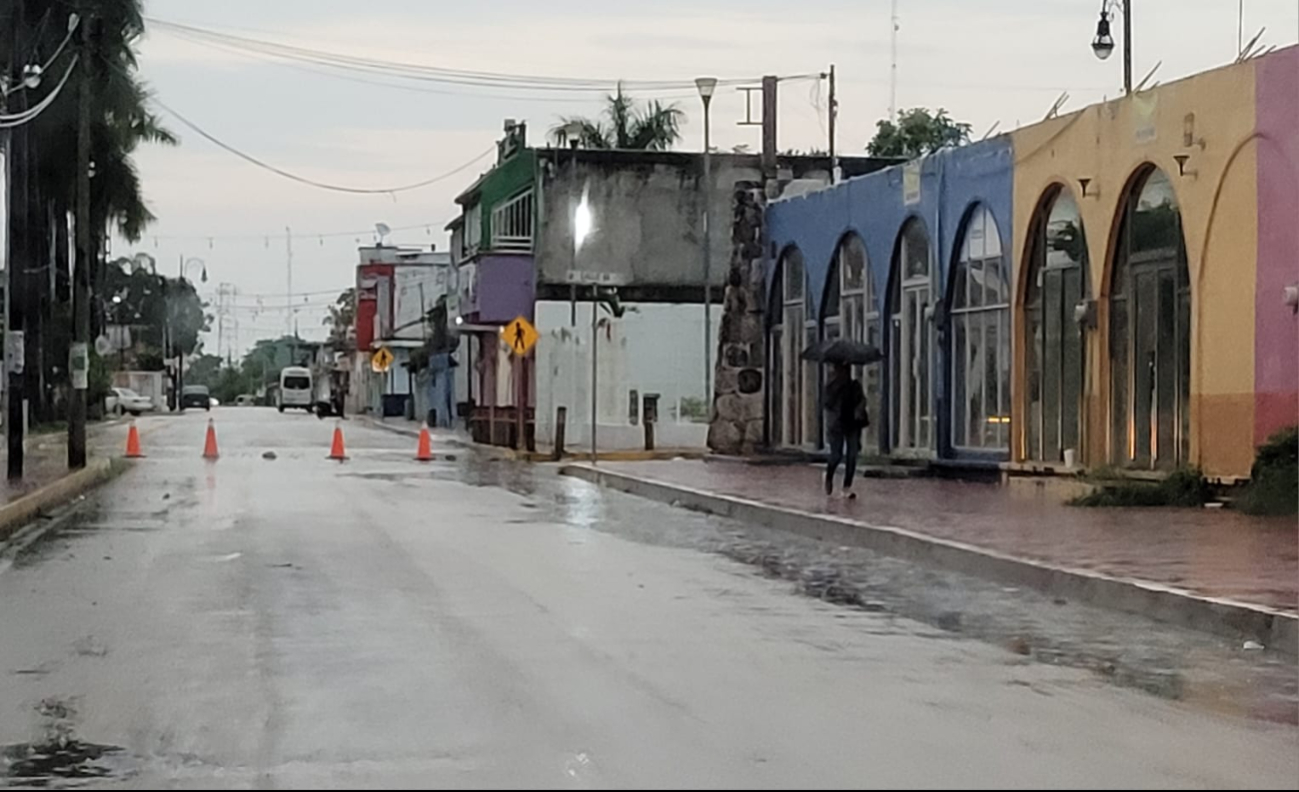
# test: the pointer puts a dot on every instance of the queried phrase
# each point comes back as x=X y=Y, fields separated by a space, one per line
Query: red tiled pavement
x=1211 y=552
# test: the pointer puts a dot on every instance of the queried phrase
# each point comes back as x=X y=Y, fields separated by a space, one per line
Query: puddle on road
x=62 y=764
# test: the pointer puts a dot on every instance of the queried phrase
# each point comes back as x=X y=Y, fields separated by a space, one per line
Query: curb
x=16 y=514
x=1276 y=629
x=501 y=452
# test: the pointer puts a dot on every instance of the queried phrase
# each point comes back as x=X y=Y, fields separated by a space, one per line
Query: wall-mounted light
x=1182 y=159
x=1084 y=183
x=1291 y=296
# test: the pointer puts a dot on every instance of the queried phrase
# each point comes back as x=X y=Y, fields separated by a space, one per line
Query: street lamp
x=707 y=87
x=1103 y=44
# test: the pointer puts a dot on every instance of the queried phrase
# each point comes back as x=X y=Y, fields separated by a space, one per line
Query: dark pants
x=838 y=441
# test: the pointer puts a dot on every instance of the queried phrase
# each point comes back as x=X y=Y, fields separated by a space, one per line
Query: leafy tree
x=655 y=127
x=342 y=315
x=204 y=370
x=134 y=295
x=918 y=131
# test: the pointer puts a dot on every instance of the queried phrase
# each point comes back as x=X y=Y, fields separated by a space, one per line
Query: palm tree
x=119 y=121
x=654 y=128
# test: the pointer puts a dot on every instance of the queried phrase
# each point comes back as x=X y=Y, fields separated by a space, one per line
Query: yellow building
x=1154 y=236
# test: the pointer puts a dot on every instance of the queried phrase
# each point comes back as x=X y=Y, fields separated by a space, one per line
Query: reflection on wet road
x=292 y=622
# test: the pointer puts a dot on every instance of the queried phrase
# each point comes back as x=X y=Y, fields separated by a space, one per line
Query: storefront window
x=1150 y=318
x=1057 y=284
x=980 y=315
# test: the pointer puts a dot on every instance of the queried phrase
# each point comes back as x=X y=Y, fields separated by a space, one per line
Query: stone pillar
x=738 y=380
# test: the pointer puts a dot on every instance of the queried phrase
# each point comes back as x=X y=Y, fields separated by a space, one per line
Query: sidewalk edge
x=1276 y=629
x=13 y=516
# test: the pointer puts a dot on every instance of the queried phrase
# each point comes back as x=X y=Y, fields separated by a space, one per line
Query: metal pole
x=893 y=73
x=79 y=353
x=834 y=118
x=595 y=323
x=1127 y=47
x=708 y=253
x=16 y=262
x=180 y=356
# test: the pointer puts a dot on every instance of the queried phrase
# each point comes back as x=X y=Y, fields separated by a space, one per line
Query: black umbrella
x=845 y=351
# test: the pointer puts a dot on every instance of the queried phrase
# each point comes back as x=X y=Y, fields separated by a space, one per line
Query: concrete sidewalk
x=1215 y=569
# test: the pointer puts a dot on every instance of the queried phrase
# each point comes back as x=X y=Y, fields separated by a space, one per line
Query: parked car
x=196 y=396
x=121 y=401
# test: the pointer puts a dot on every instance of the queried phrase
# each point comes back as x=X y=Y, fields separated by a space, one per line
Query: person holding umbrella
x=845 y=406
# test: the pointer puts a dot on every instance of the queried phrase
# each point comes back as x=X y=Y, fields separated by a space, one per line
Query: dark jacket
x=845 y=406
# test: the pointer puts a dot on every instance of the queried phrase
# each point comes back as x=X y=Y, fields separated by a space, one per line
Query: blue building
x=916 y=260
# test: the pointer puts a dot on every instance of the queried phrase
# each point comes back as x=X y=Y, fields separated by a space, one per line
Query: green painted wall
x=503 y=183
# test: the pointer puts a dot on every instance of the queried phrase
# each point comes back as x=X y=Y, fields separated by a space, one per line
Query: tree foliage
x=342 y=315
x=918 y=131
x=654 y=127
x=132 y=294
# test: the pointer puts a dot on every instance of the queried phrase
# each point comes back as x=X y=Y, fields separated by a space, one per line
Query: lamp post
x=179 y=396
x=707 y=86
x=581 y=230
x=1103 y=44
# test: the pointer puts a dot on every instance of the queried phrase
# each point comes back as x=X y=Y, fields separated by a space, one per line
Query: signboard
x=79 y=365
x=381 y=361
x=586 y=278
x=911 y=183
x=520 y=336
x=1145 y=117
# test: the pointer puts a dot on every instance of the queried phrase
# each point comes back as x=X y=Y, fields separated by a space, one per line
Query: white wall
x=654 y=348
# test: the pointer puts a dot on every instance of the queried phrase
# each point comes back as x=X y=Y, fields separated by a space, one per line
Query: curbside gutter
x=18 y=513
x=1276 y=629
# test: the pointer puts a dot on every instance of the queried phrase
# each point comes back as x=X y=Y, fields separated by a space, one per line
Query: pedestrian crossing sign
x=381 y=361
x=520 y=336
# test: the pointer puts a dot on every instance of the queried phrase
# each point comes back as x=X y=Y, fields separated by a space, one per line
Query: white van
x=295 y=388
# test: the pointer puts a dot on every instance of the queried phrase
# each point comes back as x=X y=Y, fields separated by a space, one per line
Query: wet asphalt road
x=295 y=622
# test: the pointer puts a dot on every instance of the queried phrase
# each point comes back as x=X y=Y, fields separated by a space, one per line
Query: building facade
x=636 y=267
x=1108 y=287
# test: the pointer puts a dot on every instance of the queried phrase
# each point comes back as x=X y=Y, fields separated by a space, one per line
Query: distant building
x=397 y=289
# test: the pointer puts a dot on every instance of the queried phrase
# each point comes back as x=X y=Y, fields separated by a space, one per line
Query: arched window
x=1053 y=340
x=980 y=314
x=1150 y=330
x=793 y=410
x=850 y=311
x=911 y=340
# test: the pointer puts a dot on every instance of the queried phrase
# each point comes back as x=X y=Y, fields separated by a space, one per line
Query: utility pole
x=79 y=352
x=893 y=72
x=16 y=263
x=289 y=319
x=834 y=119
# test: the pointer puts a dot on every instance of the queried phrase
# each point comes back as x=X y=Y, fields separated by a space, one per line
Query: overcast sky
x=986 y=61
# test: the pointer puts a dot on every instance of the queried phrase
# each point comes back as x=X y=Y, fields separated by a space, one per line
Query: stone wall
x=739 y=387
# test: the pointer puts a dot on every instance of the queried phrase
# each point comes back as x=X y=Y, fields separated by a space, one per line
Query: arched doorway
x=850 y=310
x=792 y=390
x=980 y=321
x=910 y=342
x=1150 y=330
x=1055 y=366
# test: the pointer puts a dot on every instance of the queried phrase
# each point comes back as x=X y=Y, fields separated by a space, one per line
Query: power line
x=416 y=71
x=212 y=238
x=29 y=115
x=312 y=182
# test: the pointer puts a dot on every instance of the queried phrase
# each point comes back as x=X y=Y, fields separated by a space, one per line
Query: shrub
x=1185 y=487
x=1274 y=479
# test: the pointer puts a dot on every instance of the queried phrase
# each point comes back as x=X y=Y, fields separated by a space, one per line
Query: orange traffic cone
x=425 y=450
x=336 y=451
x=133 y=443
x=210 y=447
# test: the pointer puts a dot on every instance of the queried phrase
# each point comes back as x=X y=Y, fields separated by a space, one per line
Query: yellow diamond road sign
x=381 y=361
x=520 y=336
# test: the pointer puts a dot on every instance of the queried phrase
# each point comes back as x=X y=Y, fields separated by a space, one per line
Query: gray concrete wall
x=647 y=212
